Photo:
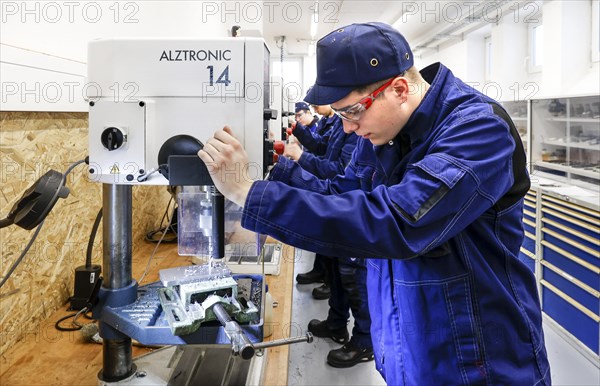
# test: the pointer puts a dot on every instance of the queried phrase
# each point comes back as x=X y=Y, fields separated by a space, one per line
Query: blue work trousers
x=349 y=292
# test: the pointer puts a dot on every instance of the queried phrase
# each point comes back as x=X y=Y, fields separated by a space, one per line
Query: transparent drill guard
x=194 y=226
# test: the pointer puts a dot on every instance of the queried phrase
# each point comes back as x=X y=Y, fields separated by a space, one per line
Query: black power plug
x=85 y=281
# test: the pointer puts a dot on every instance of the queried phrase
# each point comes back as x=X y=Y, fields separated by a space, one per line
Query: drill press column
x=116 y=266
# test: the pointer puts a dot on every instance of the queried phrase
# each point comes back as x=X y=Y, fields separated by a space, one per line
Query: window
x=291 y=72
x=536 y=47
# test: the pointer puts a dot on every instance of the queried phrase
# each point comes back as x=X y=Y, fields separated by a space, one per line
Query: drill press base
x=195 y=365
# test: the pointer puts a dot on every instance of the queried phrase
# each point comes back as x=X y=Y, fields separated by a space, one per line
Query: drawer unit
x=528 y=249
x=570 y=268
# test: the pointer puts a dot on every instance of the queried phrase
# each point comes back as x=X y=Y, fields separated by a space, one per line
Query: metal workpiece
x=190 y=294
x=198 y=294
x=193 y=273
x=176 y=309
x=148 y=320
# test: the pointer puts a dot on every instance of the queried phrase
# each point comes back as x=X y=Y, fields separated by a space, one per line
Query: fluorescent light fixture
x=314 y=20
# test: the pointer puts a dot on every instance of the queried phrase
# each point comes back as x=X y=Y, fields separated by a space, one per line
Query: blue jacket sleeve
x=329 y=167
x=465 y=172
x=316 y=144
x=293 y=175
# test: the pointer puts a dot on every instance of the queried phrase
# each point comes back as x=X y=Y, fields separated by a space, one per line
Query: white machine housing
x=153 y=89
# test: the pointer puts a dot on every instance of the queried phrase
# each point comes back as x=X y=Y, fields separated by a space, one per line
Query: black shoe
x=319 y=328
x=348 y=355
x=321 y=293
x=310 y=277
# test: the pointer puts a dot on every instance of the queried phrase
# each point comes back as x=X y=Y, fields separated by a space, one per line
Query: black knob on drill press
x=112 y=138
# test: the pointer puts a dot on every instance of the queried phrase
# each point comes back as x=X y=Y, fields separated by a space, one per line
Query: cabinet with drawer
x=570 y=269
x=562 y=247
x=528 y=249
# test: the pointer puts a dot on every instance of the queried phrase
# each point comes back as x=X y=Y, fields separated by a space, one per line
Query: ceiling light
x=314 y=20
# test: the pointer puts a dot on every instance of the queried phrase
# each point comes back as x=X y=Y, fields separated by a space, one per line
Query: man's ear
x=401 y=88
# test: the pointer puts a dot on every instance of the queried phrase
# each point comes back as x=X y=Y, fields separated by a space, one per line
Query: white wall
x=43 y=44
x=310 y=72
x=510 y=60
x=567 y=54
x=454 y=57
x=567 y=68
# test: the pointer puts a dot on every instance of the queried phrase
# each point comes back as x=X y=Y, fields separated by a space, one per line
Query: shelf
x=567 y=141
x=575 y=120
x=568 y=169
x=519 y=119
x=583 y=145
x=578 y=145
x=585 y=120
x=555 y=143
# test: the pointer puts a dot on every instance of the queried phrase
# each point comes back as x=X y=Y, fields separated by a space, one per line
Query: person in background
x=304 y=117
x=325 y=155
x=315 y=142
x=339 y=150
x=327 y=118
x=344 y=278
x=329 y=155
x=432 y=198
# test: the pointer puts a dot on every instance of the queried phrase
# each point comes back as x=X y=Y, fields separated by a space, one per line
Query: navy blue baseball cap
x=357 y=55
x=302 y=106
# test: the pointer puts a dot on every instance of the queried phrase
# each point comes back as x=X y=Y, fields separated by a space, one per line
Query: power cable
x=172 y=227
x=157 y=244
x=37 y=231
x=76 y=326
x=90 y=246
x=20 y=258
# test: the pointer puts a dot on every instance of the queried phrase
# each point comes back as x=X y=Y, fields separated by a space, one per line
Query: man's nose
x=349 y=127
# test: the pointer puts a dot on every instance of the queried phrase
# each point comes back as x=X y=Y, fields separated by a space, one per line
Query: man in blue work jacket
x=325 y=154
x=328 y=154
x=331 y=142
x=433 y=197
x=304 y=117
x=345 y=282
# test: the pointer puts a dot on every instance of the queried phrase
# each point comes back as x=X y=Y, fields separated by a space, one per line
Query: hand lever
x=240 y=343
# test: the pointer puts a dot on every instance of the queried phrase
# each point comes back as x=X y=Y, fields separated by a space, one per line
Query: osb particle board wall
x=31 y=143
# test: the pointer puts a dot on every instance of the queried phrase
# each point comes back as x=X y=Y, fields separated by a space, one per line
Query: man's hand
x=227 y=163
x=293 y=151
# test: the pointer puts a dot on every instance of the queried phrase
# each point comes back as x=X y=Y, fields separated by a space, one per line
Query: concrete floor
x=307 y=364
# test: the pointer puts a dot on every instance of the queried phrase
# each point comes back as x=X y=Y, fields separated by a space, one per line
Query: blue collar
x=428 y=112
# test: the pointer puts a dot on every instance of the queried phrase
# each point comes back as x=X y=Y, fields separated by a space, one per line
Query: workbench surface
x=47 y=356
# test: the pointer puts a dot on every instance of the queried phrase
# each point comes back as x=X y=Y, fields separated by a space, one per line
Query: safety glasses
x=354 y=112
